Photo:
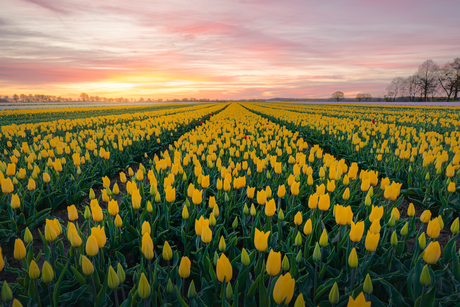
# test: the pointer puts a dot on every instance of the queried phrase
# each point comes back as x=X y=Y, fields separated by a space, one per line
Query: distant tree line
x=428 y=82
x=84 y=97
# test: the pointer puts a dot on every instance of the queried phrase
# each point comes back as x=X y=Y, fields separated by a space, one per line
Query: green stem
x=94 y=289
x=36 y=293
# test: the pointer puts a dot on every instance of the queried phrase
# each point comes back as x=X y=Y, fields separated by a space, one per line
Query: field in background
x=229 y=204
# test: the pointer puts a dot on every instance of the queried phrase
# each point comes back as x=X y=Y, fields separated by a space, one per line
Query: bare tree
x=84 y=97
x=395 y=87
x=338 y=96
x=453 y=69
x=360 y=97
x=427 y=73
x=367 y=96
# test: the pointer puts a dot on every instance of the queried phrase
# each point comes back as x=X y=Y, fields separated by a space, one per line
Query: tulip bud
x=16 y=303
x=427 y=176
x=212 y=220
x=245 y=260
x=334 y=295
x=394 y=239
x=425 y=277
x=405 y=229
x=392 y=221
x=144 y=287
x=113 y=280
x=7 y=294
x=281 y=215
x=299 y=302
x=235 y=223
x=169 y=285
x=185 y=214
x=353 y=259
x=229 y=291
x=346 y=194
x=222 y=244
x=19 y=250
x=28 y=236
x=422 y=241
x=118 y=221
x=298 y=239
x=47 y=273
x=87 y=213
x=15 y=201
x=317 y=253
x=86 y=265
x=121 y=273
x=245 y=209
x=167 y=251
x=298 y=258
x=92 y=248
x=368 y=200
x=191 y=293
x=455 y=226
x=411 y=210
x=216 y=257
x=91 y=194
x=253 y=210
x=285 y=263
x=367 y=286
x=323 y=240
x=371 y=191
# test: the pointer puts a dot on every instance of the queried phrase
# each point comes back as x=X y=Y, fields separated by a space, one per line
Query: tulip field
x=230 y=204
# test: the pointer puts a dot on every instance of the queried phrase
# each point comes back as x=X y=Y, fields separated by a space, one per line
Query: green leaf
x=57 y=287
x=78 y=276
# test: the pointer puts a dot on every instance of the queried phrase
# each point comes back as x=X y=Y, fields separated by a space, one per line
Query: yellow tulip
x=433 y=229
x=270 y=207
x=432 y=253
x=197 y=197
x=261 y=197
x=96 y=211
x=261 y=240
x=72 y=213
x=372 y=241
x=295 y=187
x=170 y=194
x=52 y=230
x=92 y=247
x=19 y=249
x=206 y=234
x=356 y=232
x=360 y=301
x=425 y=217
x=167 y=251
x=324 y=202
x=376 y=213
x=273 y=265
x=298 y=218
x=99 y=234
x=224 y=270
x=284 y=289
x=313 y=201
x=307 y=229
x=15 y=201
x=199 y=224
x=34 y=271
x=281 y=190
x=184 y=267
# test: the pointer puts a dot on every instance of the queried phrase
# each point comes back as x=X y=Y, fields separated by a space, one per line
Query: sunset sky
x=220 y=49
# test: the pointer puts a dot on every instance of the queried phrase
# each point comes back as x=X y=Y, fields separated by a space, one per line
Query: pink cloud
x=236 y=48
